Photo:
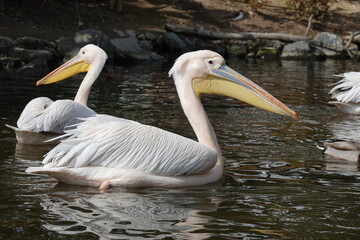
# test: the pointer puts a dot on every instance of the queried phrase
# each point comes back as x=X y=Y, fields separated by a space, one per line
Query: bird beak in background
x=68 y=69
x=227 y=82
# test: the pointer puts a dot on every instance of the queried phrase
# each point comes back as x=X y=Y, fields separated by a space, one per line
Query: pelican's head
x=206 y=72
x=87 y=56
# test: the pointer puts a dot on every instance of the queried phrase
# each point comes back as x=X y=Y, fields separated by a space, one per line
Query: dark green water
x=277 y=183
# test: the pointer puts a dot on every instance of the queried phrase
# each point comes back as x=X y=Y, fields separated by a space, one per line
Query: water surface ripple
x=277 y=184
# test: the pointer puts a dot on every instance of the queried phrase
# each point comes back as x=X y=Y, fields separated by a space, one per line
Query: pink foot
x=105 y=185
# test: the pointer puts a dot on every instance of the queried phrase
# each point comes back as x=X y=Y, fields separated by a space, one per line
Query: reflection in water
x=31 y=152
x=340 y=165
x=118 y=214
x=345 y=127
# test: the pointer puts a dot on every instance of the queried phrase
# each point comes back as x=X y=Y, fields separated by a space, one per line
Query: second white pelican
x=42 y=118
x=105 y=151
x=347 y=93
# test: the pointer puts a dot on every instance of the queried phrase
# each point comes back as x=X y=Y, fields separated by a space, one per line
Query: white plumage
x=347 y=93
x=42 y=115
x=119 y=143
x=105 y=151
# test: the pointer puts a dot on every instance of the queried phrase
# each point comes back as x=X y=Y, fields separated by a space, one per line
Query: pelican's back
x=43 y=115
x=31 y=111
x=119 y=143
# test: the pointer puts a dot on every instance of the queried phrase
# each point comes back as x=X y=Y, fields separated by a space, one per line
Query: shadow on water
x=277 y=184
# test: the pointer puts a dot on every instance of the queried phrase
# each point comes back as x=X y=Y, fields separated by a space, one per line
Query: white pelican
x=42 y=118
x=342 y=149
x=347 y=93
x=105 y=151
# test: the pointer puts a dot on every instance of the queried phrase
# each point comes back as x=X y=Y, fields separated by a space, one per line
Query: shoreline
x=36 y=37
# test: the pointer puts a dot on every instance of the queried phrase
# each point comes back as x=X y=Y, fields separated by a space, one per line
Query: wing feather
x=119 y=143
x=44 y=115
x=28 y=118
x=348 y=88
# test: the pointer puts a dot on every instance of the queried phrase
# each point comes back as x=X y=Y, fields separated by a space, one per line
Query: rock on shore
x=34 y=57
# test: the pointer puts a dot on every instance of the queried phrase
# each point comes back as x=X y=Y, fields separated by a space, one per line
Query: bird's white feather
x=43 y=115
x=119 y=143
x=347 y=89
x=27 y=120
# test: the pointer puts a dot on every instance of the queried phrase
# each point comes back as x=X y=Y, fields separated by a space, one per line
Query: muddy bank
x=34 y=56
x=37 y=36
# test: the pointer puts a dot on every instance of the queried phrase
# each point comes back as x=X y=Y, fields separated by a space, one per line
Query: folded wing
x=43 y=115
x=119 y=143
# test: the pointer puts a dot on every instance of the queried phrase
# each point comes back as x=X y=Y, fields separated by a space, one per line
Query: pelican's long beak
x=68 y=69
x=226 y=81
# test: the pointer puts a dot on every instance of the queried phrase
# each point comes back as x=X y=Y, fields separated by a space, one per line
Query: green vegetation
x=255 y=4
x=302 y=8
x=306 y=8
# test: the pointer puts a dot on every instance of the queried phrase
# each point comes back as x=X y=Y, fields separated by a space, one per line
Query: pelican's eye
x=83 y=52
x=212 y=63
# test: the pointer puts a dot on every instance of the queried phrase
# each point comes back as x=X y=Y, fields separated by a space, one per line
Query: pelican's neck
x=82 y=94
x=197 y=117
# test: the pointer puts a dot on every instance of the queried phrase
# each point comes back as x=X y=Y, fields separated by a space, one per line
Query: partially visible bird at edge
x=347 y=93
x=340 y=149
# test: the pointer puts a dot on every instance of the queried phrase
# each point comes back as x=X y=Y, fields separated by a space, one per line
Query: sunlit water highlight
x=277 y=183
